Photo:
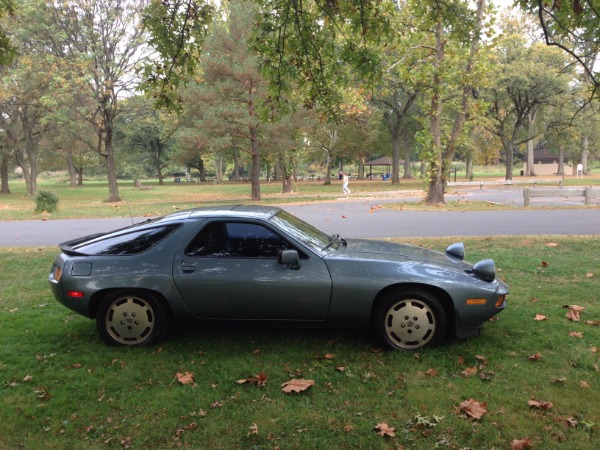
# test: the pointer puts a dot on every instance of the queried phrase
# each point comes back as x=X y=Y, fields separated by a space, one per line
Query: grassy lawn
x=63 y=388
x=87 y=201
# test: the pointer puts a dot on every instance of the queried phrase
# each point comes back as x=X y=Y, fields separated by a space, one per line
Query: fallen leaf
x=473 y=408
x=575 y=307
x=572 y=422
x=469 y=372
x=383 y=429
x=592 y=322
x=534 y=300
x=259 y=379
x=520 y=444
x=540 y=404
x=559 y=380
x=296 y=385
x=545 y=264
x=340 y=369
x=348 y=428
x=584 y=385
x=540 y=317
x=431 y=372
x=551 y=244
x=589 y=275
x=573 y=315
x=185 y=378
x=253 y=429
x=216 y=404
x=576 y=334
x=535 y=357
x=329 y=356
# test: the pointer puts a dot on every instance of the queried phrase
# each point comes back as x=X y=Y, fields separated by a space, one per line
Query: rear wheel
x=131 y=318
x=409 y=320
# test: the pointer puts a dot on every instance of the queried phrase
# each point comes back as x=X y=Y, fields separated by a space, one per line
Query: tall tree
x=102 y=43
x=144 y=135
x=227 y=104
x=527 y=77
x=24 y=113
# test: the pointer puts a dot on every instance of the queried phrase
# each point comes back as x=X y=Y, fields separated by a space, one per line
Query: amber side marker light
x=500 y=301
x=75 y=294
x=57 y=273
x=476 y=301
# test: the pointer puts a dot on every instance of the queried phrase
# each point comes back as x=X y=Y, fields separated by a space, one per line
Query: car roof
x=263 y=212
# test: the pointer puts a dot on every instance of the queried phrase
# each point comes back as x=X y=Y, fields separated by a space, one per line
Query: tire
x=130 y=318
x=409 y=320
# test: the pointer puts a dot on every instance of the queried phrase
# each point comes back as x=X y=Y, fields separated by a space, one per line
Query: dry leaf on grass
x=540 y=317
x=260 y=379
x=383 y=429
x=253 y=429
x=469 y=372
x=296 y=385
x=535 y=356
x=540 y=404
x=520 y=444
x=185 y=377
x=473 y=408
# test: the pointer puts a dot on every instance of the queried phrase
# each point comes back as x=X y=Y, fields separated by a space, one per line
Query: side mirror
x=289 y=258
x=456 y=250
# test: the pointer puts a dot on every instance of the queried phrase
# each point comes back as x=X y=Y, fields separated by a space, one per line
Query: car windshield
x=307 y=234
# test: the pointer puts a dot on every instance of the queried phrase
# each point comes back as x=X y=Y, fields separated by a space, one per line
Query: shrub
x=45 y=201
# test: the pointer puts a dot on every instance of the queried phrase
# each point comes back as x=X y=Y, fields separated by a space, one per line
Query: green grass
x=88 y=201
x=63 y=388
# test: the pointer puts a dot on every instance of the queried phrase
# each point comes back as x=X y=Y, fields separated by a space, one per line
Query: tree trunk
x=508 y=147
x=255 y=148
x=218 y=164
x=72 y=171
x=561 y=161
x=435 y=192
x=407 y=155
x=585 y=151
x=530 y=160
x=4 y=189
x=469 y=172
x=396 y=154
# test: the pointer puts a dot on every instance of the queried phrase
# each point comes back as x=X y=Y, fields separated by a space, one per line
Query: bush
x=45 y=201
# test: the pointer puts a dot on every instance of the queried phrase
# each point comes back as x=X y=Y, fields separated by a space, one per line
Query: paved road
x=362 y=217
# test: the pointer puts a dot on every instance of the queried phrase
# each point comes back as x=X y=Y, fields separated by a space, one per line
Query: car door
x=230 y=270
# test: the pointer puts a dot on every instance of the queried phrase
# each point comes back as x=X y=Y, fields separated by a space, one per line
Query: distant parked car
x=262 y=265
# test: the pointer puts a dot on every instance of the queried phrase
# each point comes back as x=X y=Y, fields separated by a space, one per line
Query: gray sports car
x=262 y=265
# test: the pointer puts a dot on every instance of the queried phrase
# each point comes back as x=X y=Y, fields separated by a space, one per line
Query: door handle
x=186 y=268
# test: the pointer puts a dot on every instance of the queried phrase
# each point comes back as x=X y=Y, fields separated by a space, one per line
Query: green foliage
x=45 y=201
x=7 y=49
x=177 y=32
x=573 y=27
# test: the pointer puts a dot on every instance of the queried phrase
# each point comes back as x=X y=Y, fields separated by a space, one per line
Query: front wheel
x=409 y=320
x=131 y=319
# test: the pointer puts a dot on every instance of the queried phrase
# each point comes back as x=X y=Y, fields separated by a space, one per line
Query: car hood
x=390 y=251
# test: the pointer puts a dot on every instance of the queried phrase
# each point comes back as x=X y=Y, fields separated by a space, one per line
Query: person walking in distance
x=345 y=180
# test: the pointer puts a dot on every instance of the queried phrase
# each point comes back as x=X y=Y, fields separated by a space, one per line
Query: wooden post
x=587 y=195
x=526 y=195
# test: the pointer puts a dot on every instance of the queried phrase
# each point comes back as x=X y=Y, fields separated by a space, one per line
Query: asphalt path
x=365 y=217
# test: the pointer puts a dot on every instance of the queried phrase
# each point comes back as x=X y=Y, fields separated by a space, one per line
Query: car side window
x=236 y=239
